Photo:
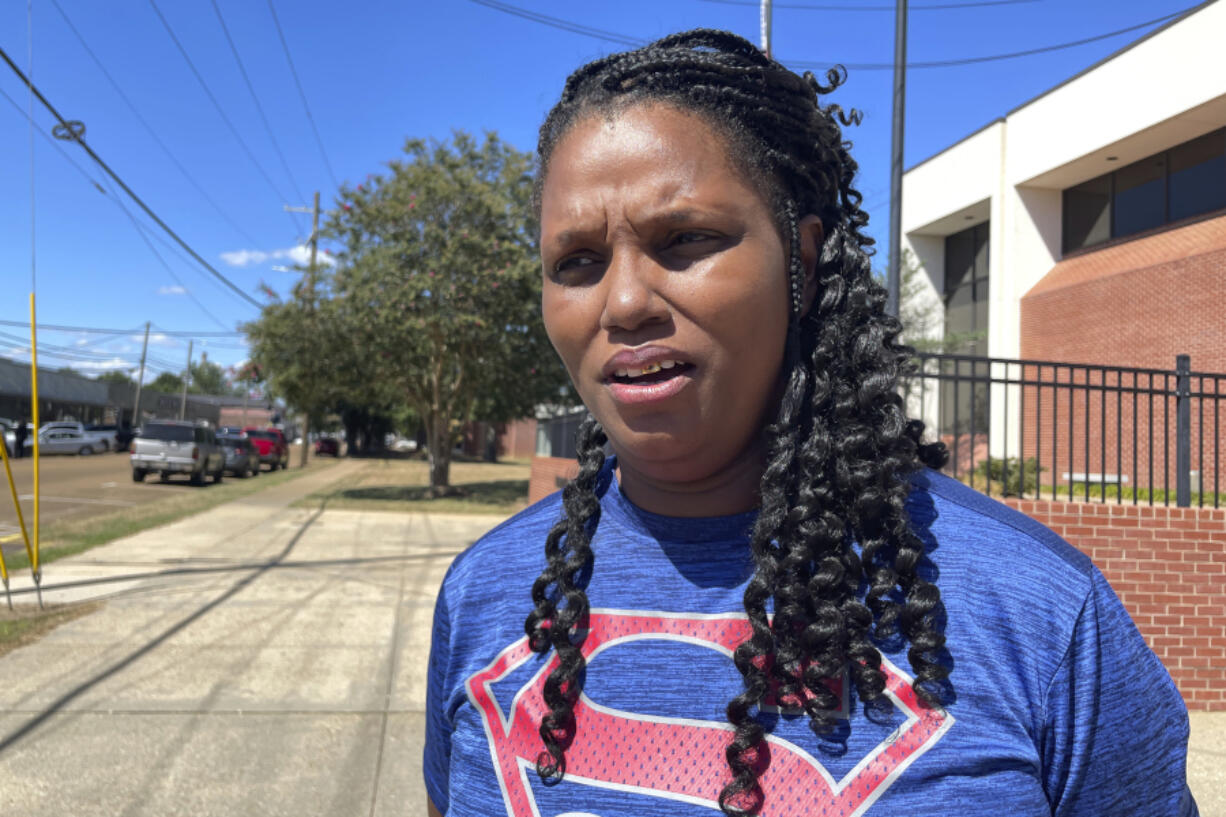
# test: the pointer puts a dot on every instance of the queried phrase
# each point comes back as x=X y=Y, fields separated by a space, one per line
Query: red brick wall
x=517 y=439
x=549 y=474
x=1137 y=304
x=1168 y=566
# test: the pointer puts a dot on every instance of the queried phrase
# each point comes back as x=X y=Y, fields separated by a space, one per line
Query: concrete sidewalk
x=278 y=668
x=292 y=688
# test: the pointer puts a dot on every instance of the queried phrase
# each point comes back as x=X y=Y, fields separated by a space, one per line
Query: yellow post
x=34 y=566
x=4 y=572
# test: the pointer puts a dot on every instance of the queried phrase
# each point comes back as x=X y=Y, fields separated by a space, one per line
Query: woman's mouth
x=650 y=382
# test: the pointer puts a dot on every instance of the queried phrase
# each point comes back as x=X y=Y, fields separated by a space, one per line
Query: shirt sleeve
x=1115 y=731
x=437 y=761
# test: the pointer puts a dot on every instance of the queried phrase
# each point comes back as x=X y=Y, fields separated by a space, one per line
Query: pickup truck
x=270 y=442
x=168 y=447
x=94 y=437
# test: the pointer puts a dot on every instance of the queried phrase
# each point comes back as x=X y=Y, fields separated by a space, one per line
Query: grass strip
x=27 y=624
x=403 y=486
x=70 y=537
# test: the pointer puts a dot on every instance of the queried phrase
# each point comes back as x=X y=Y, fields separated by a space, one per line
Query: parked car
x=117 y=437
x=328 y=445
x=168 y=447
x=59 y=440
x=242 y=457
x=102 y=438
x=270 y=442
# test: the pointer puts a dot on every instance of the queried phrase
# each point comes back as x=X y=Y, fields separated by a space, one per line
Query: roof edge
x=1195 y=9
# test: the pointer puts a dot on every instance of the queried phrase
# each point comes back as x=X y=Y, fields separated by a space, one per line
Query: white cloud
x=155 y=339
x=172 y=290
x=300 y=254
x=80 y=341
x=102 y=365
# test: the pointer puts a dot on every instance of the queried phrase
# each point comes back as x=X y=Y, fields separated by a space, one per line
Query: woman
x=707 y=285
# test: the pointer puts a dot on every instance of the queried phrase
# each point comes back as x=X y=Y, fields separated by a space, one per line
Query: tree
x=167 y=383
x=208 y=378
x=438 y=285
x=116 y=376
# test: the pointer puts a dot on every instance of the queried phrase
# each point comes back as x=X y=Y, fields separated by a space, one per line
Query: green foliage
x=433 y=308
x=1009 y=473
x=209 y=378
x=167 y=383
x=115 y=376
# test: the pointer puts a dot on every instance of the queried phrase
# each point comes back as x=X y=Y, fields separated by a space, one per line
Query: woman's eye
x=573 y=267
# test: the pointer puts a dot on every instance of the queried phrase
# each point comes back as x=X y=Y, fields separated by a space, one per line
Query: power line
x=233 y=130
x=148 y=211
x=149 y=129
x=838 y=7
x=622 y=39
x=142 y=230
x=565 y=25
x=302 y=95
x=96 y=330
x=874 y=66
x=242 y=69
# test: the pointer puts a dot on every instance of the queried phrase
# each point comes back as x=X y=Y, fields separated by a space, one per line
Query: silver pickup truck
x=168 y=447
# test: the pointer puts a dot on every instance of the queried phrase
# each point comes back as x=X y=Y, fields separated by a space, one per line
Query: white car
x=68 y=441
x=101 y=440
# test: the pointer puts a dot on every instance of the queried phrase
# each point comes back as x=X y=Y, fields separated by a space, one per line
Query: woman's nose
x=632 y=298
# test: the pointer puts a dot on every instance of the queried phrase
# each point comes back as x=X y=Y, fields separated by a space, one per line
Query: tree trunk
x=440 y=456
x=306 y=439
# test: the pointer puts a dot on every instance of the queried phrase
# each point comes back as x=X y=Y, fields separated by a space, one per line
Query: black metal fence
x=1076 y=431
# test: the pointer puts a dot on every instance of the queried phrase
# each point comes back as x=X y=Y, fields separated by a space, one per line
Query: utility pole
x=310 y=282
x=140 y=381
x=894 y=273
x=764 y=23
x=187 y=376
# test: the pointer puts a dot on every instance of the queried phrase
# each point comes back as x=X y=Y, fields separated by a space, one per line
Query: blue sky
x=374 y=73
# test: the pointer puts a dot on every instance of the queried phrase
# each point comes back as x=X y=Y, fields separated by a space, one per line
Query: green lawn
x=403 y=485
x=60 y=539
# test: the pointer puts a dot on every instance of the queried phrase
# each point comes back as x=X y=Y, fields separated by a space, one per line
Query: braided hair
x=839 y=448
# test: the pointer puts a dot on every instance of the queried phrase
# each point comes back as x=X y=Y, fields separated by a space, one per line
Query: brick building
x=1089 y=225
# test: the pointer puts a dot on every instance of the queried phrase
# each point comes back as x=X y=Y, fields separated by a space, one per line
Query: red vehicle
x=328 y=445
x=270 y=442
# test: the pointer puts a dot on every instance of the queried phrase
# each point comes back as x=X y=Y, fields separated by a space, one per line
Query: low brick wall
x=549 y=474
x=1168 y=566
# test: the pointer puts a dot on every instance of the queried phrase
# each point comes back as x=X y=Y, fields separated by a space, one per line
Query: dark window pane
x=959 y=259
x=158 y=431
x=1198 y=176
x=981 y=250
x=1140 y=196
x=1087 y=213
x=960 y=310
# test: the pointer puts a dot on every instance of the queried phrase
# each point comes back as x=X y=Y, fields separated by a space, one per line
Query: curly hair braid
x=839 y=448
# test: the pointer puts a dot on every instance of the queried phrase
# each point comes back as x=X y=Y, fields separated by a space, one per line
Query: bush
x=1008 y=472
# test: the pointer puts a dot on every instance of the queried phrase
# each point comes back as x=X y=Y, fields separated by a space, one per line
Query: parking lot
x=76 y=487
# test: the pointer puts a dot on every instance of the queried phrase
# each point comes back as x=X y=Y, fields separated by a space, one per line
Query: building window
x=1185 y=181
x=963 y=405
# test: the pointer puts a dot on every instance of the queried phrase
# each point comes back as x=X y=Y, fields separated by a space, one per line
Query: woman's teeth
x=650 y=368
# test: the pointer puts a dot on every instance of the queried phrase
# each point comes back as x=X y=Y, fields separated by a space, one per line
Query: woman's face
x=665 y=292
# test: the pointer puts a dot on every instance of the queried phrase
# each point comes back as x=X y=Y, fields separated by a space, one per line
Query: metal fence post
x=1183 y=431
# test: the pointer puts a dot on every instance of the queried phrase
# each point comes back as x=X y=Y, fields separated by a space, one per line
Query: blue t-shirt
x=1060 y=708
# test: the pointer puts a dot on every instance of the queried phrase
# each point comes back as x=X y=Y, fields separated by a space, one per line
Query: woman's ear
x=812 y=237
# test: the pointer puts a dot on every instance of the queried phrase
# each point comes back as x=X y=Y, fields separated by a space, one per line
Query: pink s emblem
x=607 y=739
